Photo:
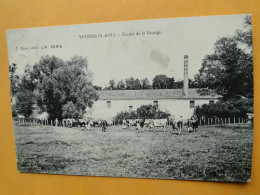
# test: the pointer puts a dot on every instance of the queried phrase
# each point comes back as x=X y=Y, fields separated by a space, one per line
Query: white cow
x=160 y=123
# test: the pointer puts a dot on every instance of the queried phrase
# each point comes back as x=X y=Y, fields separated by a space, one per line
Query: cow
x=81 y=123
x=138 y=127
x=151 y=125
x=131 y=123
x=193 y=124
x=97 y=123
x=160 y=123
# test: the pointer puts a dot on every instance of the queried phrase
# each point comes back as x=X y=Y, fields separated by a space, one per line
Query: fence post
x=225 y=120
x=208 y=121
x=234 y=120
x=229 y=120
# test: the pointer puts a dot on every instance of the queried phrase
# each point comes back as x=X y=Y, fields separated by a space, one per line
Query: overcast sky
x=120 y=57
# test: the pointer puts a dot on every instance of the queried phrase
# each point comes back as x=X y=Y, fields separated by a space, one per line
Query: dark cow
x=81 y=123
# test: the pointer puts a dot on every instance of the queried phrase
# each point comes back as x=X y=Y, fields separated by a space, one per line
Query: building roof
x=155 y=94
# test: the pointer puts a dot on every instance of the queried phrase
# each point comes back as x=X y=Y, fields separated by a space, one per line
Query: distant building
x=178 y=102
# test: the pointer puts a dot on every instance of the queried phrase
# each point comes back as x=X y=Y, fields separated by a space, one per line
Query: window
x=108 y=104
x=192 y=104
x=130 y=108
x=155 y=103
x=211 y=101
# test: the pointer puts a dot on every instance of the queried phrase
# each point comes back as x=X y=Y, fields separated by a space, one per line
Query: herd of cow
x=153 y=124
x=138 y=124
x=88 y=124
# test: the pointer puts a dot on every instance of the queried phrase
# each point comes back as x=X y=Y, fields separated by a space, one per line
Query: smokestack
x=185 y=77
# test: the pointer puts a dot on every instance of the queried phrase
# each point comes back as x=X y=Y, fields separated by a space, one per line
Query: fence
x=222 y=121
x=205 y=121
x=36 y=122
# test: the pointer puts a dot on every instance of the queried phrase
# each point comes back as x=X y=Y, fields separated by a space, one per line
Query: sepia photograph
x=160 y=99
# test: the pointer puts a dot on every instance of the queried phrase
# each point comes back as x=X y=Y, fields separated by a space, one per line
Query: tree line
x=158 y=82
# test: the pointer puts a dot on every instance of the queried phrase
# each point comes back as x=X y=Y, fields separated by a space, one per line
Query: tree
x=227 y=109
x=24 y=95
x=144 y=112
x=98 y=88
x=145 y=84
x=137 y=84
x=24 y=104
x=120 y=85
x=245 y=36
x=193 y=84
x=160 y=82
x=129 y=83
x=112 y=84
x=163 y=82
x=124 y=115
x=60 y=82
x=229 y=69
x=133 y=84
x=69 y=110
x=14 y=79
x=151 y=112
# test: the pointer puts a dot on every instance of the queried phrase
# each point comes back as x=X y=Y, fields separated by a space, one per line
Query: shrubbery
x=143 y=112
x=124 y=115
x=228 y=108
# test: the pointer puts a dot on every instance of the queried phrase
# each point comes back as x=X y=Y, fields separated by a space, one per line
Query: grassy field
x=213 y=153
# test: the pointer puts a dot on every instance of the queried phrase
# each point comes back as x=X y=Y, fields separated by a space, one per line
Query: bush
x=143 y=112
x=124 y=115
x=228 y=108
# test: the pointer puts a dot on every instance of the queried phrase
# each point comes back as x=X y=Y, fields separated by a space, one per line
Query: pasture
x=214 y=153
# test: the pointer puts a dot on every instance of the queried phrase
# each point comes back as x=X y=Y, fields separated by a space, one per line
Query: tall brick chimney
x=185 y=77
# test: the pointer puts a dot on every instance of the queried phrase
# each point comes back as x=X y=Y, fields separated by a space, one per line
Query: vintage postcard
x=164 y=99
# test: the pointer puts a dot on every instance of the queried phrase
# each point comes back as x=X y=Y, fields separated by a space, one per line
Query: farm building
x=178 y=102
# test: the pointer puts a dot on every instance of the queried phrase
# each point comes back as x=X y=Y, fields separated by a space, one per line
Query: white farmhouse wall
x=176 y=107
